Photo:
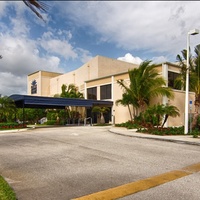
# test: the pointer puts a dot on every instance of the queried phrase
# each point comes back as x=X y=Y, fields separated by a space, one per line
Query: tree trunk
x=194 y=121
x=130 y=112
x=165 y=119
x=102 y=120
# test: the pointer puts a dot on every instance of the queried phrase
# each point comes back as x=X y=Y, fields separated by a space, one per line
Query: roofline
x=169 y=63
x=44 y=71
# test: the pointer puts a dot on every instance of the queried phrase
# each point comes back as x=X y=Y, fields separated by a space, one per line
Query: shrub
x=11 y=125
x=163 y=131
x=51 y=122
x=128 y=125
x=195 y=133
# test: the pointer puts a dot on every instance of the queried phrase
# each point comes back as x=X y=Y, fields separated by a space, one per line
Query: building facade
x=97 y=79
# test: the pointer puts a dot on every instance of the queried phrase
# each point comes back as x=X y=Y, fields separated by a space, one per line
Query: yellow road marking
x=192 y=168
x=141 y=185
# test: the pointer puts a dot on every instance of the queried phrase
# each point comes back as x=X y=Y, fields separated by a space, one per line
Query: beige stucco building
x=97 y=79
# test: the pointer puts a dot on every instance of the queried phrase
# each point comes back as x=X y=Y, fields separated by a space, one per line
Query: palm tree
x=180 y=81
x=145 y=84
x=169 y=111
x=125 y=101
x=160 y=112
x=100 y=110
x=194 y=76
x=70 y=91
x=35 y=5
x=7 y=108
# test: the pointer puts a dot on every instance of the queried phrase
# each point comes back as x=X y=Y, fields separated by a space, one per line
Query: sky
x=76 y=31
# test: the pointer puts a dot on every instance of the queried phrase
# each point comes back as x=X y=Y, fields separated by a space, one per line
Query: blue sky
x=76 y=31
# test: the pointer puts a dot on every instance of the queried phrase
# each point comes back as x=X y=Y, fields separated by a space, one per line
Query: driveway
x=69 y=162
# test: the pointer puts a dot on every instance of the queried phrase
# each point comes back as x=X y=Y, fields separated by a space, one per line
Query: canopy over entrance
x=28 y=101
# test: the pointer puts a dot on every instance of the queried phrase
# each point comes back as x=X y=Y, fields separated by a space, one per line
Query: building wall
x=96 y=68
x=179 y=102
x=101 y=71
x=43 y=82
x=108 y=66
x=34 y=76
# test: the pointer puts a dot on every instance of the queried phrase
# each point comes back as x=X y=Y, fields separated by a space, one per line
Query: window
x=171 y=79
x=105 y=91
x=92 y=93
x=34 y=87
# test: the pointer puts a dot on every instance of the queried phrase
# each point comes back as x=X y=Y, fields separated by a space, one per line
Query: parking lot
x=70 y=162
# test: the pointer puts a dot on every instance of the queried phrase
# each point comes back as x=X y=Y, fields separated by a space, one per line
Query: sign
x=190 y=104
x=34 y=87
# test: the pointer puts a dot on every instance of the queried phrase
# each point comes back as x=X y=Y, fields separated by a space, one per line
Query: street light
x=192 y=32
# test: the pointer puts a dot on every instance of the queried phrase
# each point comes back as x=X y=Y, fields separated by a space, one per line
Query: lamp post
x=192 y=32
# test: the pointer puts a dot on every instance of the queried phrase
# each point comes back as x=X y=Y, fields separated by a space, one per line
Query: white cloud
x=2 y=8
x=154 y=28
x=59 y=47
x=23 y=55
x=158 y=60
x=20 y=27
x=129 y=58
x=85 y=55
x=12 y=84
x=149 y=26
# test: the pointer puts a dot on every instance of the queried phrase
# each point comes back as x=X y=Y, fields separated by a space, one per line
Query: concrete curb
x=15 y=130
x=176 y=139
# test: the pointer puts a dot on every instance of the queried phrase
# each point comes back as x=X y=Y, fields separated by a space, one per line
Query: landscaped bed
x=157 y=130
x=11 y=125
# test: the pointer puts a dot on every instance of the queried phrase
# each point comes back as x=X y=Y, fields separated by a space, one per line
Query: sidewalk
x=186 y=139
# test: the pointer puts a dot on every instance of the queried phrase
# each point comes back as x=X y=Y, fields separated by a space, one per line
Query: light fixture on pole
x=192 y=32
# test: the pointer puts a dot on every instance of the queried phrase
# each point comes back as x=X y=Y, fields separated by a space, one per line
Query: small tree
x=170 y=111
x=100 y=110
x=160 y=112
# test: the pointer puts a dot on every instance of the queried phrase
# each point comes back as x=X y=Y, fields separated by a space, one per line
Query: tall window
x=171 y=79
x=92 y=93
x=34 y=87
x=105 y=91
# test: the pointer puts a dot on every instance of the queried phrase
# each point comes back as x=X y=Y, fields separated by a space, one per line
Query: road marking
x=141 y=185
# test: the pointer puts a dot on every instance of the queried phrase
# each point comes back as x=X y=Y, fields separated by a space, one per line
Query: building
x=97 y=79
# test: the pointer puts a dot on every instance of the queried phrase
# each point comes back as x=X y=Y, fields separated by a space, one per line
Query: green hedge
x=51 y=122
x=128 y=125
x=163 y=131
x=11 y=125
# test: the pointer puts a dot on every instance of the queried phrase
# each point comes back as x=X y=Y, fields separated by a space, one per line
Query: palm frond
x=36 y=5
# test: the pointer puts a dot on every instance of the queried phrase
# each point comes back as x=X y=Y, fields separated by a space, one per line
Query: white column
x=165 y=76
x=85 y=90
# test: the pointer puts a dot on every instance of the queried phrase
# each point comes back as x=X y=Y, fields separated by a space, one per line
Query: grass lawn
x=6 y=192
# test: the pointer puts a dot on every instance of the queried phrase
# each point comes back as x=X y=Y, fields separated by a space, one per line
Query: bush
x=11 y=125
x=128 y=125
x=51 y=122
x=195 y=133
x=163 y=131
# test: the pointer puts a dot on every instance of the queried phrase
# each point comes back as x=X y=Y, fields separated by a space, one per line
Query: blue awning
x=28 y=101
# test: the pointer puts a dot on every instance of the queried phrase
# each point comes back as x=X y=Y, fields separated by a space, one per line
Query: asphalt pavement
x=186 y=139
x=68 y=163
